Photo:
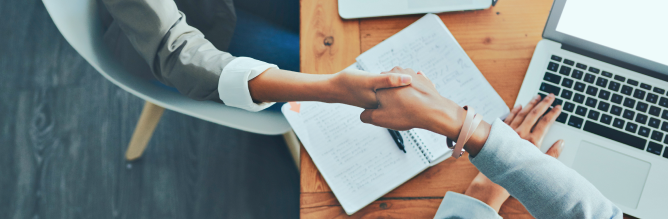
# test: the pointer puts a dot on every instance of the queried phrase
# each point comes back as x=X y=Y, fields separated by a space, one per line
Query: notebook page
x=428 y=46
x=360 y=162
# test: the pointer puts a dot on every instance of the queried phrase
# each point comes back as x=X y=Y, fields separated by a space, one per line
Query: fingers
x=367 y=116
x=425 y=76
x=512 y=114
x=546 y=122
x=390 y=80
x=519 y=118
x=535 y=113
x=556 y=149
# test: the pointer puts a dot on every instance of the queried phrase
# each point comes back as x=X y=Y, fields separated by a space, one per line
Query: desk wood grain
x=500 y=41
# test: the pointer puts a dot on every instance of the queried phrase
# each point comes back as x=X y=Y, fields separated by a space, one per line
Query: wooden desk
x=499 y=40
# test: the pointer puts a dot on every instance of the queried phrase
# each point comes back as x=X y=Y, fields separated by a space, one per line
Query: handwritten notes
x=434 y=51
x=360 y=162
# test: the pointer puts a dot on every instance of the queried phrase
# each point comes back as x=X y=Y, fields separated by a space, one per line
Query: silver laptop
x=376 y=8
x=607 y=62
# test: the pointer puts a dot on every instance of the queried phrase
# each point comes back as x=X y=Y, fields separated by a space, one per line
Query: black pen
x=397 y=139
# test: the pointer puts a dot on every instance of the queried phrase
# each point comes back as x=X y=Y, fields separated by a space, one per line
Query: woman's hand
x=358 y=88
x=350 y=87
x=529 y=124
x=414 y=106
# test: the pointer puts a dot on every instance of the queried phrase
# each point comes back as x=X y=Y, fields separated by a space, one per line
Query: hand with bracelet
x=506 y=153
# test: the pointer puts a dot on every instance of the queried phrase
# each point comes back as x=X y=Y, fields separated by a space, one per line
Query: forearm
x=518 y=166
x=275 y=85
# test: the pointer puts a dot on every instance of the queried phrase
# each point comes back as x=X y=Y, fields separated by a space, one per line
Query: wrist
x=449 y=121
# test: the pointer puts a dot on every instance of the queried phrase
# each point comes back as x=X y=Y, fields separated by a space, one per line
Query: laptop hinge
x=615 y=62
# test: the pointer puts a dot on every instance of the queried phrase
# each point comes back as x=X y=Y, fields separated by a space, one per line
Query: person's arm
x=180 y=56
x=497 y=151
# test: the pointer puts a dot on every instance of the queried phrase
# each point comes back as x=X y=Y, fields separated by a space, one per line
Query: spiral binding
x=421 y=147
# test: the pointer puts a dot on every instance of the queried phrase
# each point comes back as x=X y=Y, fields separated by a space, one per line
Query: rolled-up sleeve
x=180 y=56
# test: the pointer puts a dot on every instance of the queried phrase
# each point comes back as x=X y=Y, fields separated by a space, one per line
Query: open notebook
x=361 y=162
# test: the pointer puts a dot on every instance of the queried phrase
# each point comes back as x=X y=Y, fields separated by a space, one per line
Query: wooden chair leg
x=293 y=145
x=150 y=116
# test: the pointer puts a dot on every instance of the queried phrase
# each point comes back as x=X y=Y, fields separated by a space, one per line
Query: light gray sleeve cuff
x=233 y=83
x=455 y=205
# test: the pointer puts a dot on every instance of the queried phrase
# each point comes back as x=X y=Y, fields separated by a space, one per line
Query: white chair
x=81 y=26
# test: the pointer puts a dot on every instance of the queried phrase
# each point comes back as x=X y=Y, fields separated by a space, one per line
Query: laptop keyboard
x=609 y=105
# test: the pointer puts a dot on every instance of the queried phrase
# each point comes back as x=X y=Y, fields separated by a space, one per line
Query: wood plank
x=328 y=43
x=388 y=208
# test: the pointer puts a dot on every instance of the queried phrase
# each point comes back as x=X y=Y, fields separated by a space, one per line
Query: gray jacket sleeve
x=177 y=53
x=545 y=186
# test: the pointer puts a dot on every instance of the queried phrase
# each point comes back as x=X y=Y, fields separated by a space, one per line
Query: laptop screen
x=638 y=27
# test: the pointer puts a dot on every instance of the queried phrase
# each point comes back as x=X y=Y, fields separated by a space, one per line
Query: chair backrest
x=81 y=26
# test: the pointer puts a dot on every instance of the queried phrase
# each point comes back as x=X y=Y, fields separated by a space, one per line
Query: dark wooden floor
x=64 y=129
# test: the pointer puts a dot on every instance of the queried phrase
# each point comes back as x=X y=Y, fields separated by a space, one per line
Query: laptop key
x=591 y=90
x=603 y=106
x=655 y=111
x=593 y=114
x=641 y=118
x=595 y=70
x=606 y=119
x=575 y=121
x=578 y=98
x=589 y=78
x=654 y=148
x=642 y=107
x=581 y=66
x=569 y=62
x=665 y=154
x=643 y=131
x=619 y=123
x=567 y=83
x=556 y=102
x=664 y=126
x=659 y=90
x=604 y=94
x=601 y=82
x=616 y=98
x=663 y=102
x=645 y=86
x=631 y=127
x=652 y=98
x=548 y=88
x=556 y=58
x=607 y=74
x=664 y=115
x=553 y=66
x=581 y=111
x=591 y=102
x=665 y=140
x=657 y=135
x=614 y=86
x=626 y=90
x=562 y=117
x=630 y=103
x=565 y=70
x=654 y=123
x=552 y=78
x=632 y=82
x=567 y=94
x=579 y=86
x=640 y=94
x=568 y=106
x=615 y=110
x=628 y=114
x=615 y=135
x=620 y=78
x=577 y=74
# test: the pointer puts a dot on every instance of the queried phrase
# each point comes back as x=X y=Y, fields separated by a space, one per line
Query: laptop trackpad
x=619 y=177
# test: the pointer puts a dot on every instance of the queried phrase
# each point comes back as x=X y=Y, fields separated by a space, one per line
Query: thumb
x=390 y=80
x=367 y=116
x=556 y=149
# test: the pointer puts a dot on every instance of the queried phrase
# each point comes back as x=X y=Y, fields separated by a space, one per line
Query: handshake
x=400 y=99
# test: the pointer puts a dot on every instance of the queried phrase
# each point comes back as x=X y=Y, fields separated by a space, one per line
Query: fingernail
x=562 y=143
x=406 y=79
x=551 y=95
x=516 y=107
